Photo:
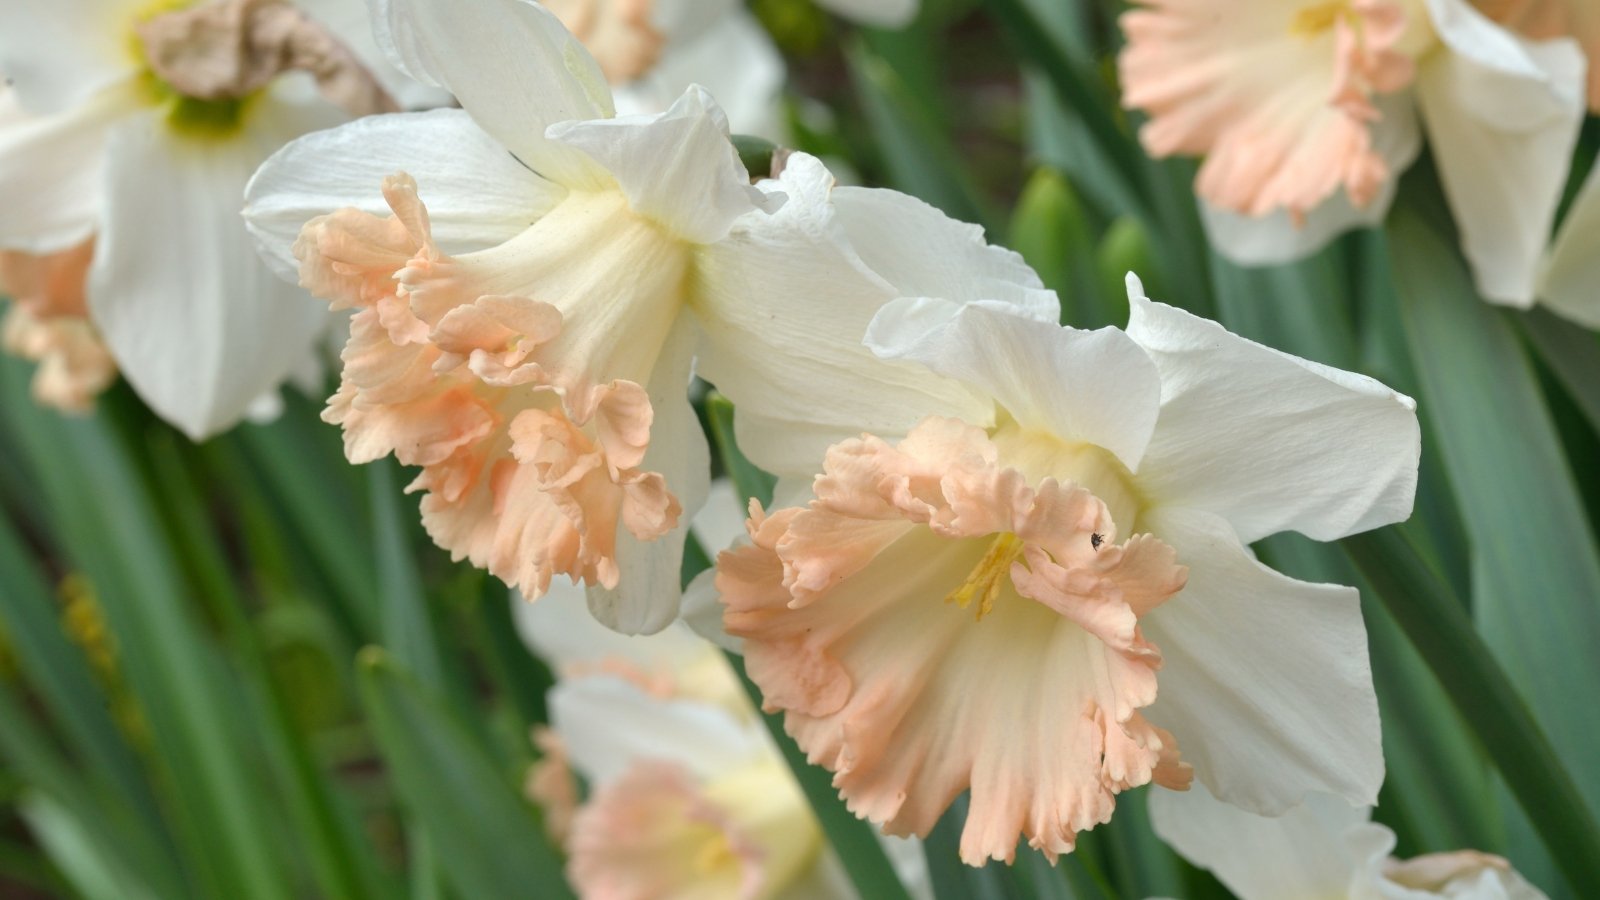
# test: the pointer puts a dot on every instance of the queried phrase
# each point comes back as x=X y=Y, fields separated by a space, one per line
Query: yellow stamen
x=1314 y=20
x=988 y=576
x=714 y=856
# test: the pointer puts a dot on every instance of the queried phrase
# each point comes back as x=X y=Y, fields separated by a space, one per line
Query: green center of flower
x=199 y=117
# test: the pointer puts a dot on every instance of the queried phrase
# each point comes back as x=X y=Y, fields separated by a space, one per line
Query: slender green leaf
x=1573 y=353
x=488 y=840
x=1481 y=691
x=748 y=479
x=918 y=156
x=104 y=516
x=1050 y=230
x=1535 y=570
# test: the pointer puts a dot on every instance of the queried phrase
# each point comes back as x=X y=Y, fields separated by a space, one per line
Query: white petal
x=1091 y=386
x=678 y=168
x=1275 y=239
x=735 y=59
x=646 y=597
x=721 y=521
x=1502 y=117
x=478 y=195
x=784 y=302
x=1570 y=283
x=351 y=22
x=702 y=612
x=58 y=53
x=608 y=723
x=195 y=321
x=560 y=629
x=882 y=13
x=924 y=253
x=512 y=65
x=50 y=171
x=1265 y=680
x=1302 y=853
x=1269 y=441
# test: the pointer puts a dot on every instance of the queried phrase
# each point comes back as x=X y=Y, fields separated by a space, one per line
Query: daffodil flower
x=687 y=794
x=137 y=125
x=1307 y=112
x=1323 y=848
x=539 y=281
x=1044 y=597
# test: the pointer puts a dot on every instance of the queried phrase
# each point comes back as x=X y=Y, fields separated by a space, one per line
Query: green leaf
x=748 y=479
x=1573 y=353
x=197 y=713
x=917 y=154
x=78 y=854
x=1051 y=232
x=1435 y=621
x=489 y=842
x=852 y=839
x=61 y=675
x=1535 y=571
x=1077 y=90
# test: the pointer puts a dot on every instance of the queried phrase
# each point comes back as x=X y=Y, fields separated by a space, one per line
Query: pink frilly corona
x=934 y=622
x=48 y=324
x=1281 y=106
x=528 y=463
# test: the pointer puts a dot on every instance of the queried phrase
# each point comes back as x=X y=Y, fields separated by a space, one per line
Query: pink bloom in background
x=1306 y=112
x=1280 y=99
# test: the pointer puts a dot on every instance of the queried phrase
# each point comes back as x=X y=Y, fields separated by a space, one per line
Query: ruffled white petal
x=1265 y=680
x=924 y=253
x=478 y=194
x=50 y=171
x=1276 y=238
x=646 y=598
x=512 y=65
x=1302 y=853
x=1095 y=387
x=1502 y=117
x=608 y=723
x=784 y=302
x=58 y=53
x=882 y=13
x=1570 y=282
x=1269 y=441
x=196 y=322
x=678 y=169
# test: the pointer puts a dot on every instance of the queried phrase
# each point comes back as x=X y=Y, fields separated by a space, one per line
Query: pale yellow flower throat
x=983 y=583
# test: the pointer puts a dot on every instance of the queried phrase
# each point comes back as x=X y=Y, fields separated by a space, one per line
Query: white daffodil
x=546 y=275
x=983 y=601
x=687 y=794
x=1323 y=849
x=1307 y=111
x=126 y=140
